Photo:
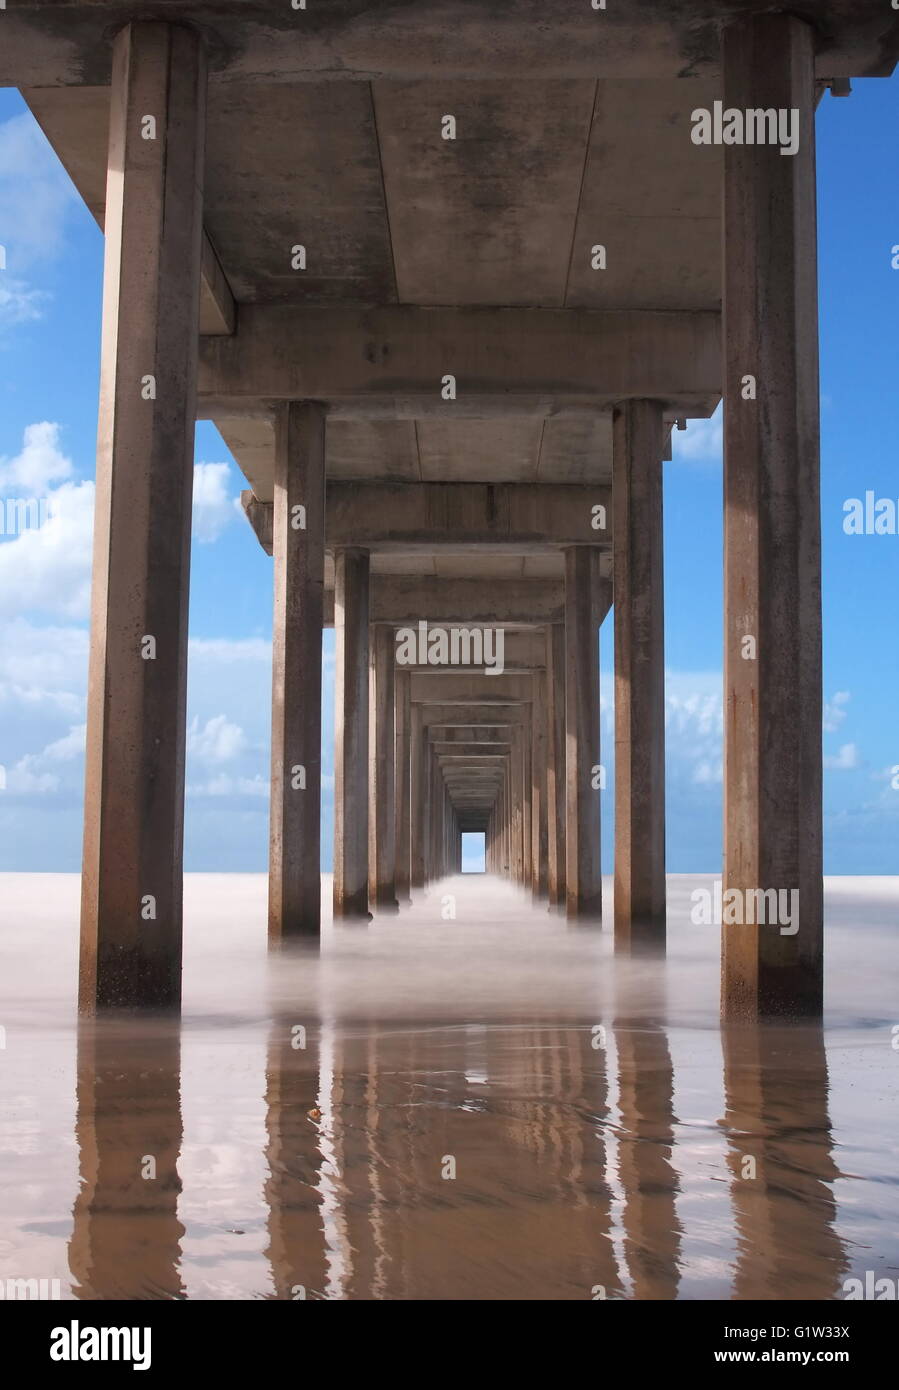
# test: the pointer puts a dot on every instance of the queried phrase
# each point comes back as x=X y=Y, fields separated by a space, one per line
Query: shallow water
x=486 y=1106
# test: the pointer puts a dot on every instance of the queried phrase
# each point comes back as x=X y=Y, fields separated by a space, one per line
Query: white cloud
x=36 y=194
x=835 y=711
x=213 y=507
x=222 y=651
x=30 y=774
x=846 y=758
x=42 y=670
x=47 y=569
x=216 y=741
x=19 y=303
x=224 y=785
x=702 y=440
x=40 y=462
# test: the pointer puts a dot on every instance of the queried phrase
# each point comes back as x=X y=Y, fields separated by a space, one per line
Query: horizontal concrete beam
x=405 y=600
x=532 y=517
x=475 y=688
x=353 y=358
x=468 y=716
x=447 y=739
x=47 y=42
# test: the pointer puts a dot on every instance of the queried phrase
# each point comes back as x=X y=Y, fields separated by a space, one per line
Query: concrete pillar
x=294 y=884
x=516 y=805
x=539 y=827
x=772 y=675
x=419 y=819
x=382 y=773
x=402 y=792
x=639 y=677
x=583 y=884
x=555 y=763
x=131 y=891
x=351 y=590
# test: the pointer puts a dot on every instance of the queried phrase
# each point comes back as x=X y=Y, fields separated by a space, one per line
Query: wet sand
x=485 y=1107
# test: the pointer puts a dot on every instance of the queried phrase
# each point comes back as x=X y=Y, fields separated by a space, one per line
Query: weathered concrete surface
x=639 y=679
x=382 y=773
x=458 y=517
x=134 y=783
x=294 y=900
x=351 y=734
x=555 y=764
x=539 y=827
x=587 y=598
x=77 y=125
x=400 y=354
x=403 y=788
x=57 y=44
x=772 y=707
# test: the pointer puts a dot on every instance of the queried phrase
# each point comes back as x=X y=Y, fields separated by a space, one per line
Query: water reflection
x=126 y=1234
x=468 y=1161
x=779 y=1136
x=382 y=1145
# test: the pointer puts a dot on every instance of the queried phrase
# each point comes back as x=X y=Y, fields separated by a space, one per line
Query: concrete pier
x=639 y=678
x=586 y=604
x=449 y=369
x=382 y=772
x=294 y=900
x=351 y=771
x=772 y=582
x=136 y=709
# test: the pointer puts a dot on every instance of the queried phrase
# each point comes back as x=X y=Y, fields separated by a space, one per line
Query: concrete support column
x=351 y=609
x=555 y=763
x=382 y=773
x=403 y=787
x=639 y=677
x=539 y=827
x=294 y=884
x=516 y=806
x=131 y=895
x=418 y=797
x=583 y=602
x=772 y=669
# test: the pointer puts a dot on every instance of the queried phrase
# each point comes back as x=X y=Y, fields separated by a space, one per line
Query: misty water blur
x=486 y=1105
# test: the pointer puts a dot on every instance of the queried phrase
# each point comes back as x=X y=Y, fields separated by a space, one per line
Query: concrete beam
x=534 y=518
x=468 y=716
x=353 y=357
x=405 y=600
x=57 y=44
x=474 y=688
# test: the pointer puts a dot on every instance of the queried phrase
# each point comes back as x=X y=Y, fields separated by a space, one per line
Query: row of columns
x=132 y=878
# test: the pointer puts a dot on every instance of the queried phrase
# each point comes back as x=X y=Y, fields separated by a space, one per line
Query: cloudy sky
x=50 y=294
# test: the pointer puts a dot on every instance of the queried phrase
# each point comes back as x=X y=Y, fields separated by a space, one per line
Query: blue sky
x=50 y=297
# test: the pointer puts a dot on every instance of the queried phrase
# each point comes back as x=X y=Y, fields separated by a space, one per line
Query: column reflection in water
x=126 y=1240
x=782 y=1169
x=438 y=1162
